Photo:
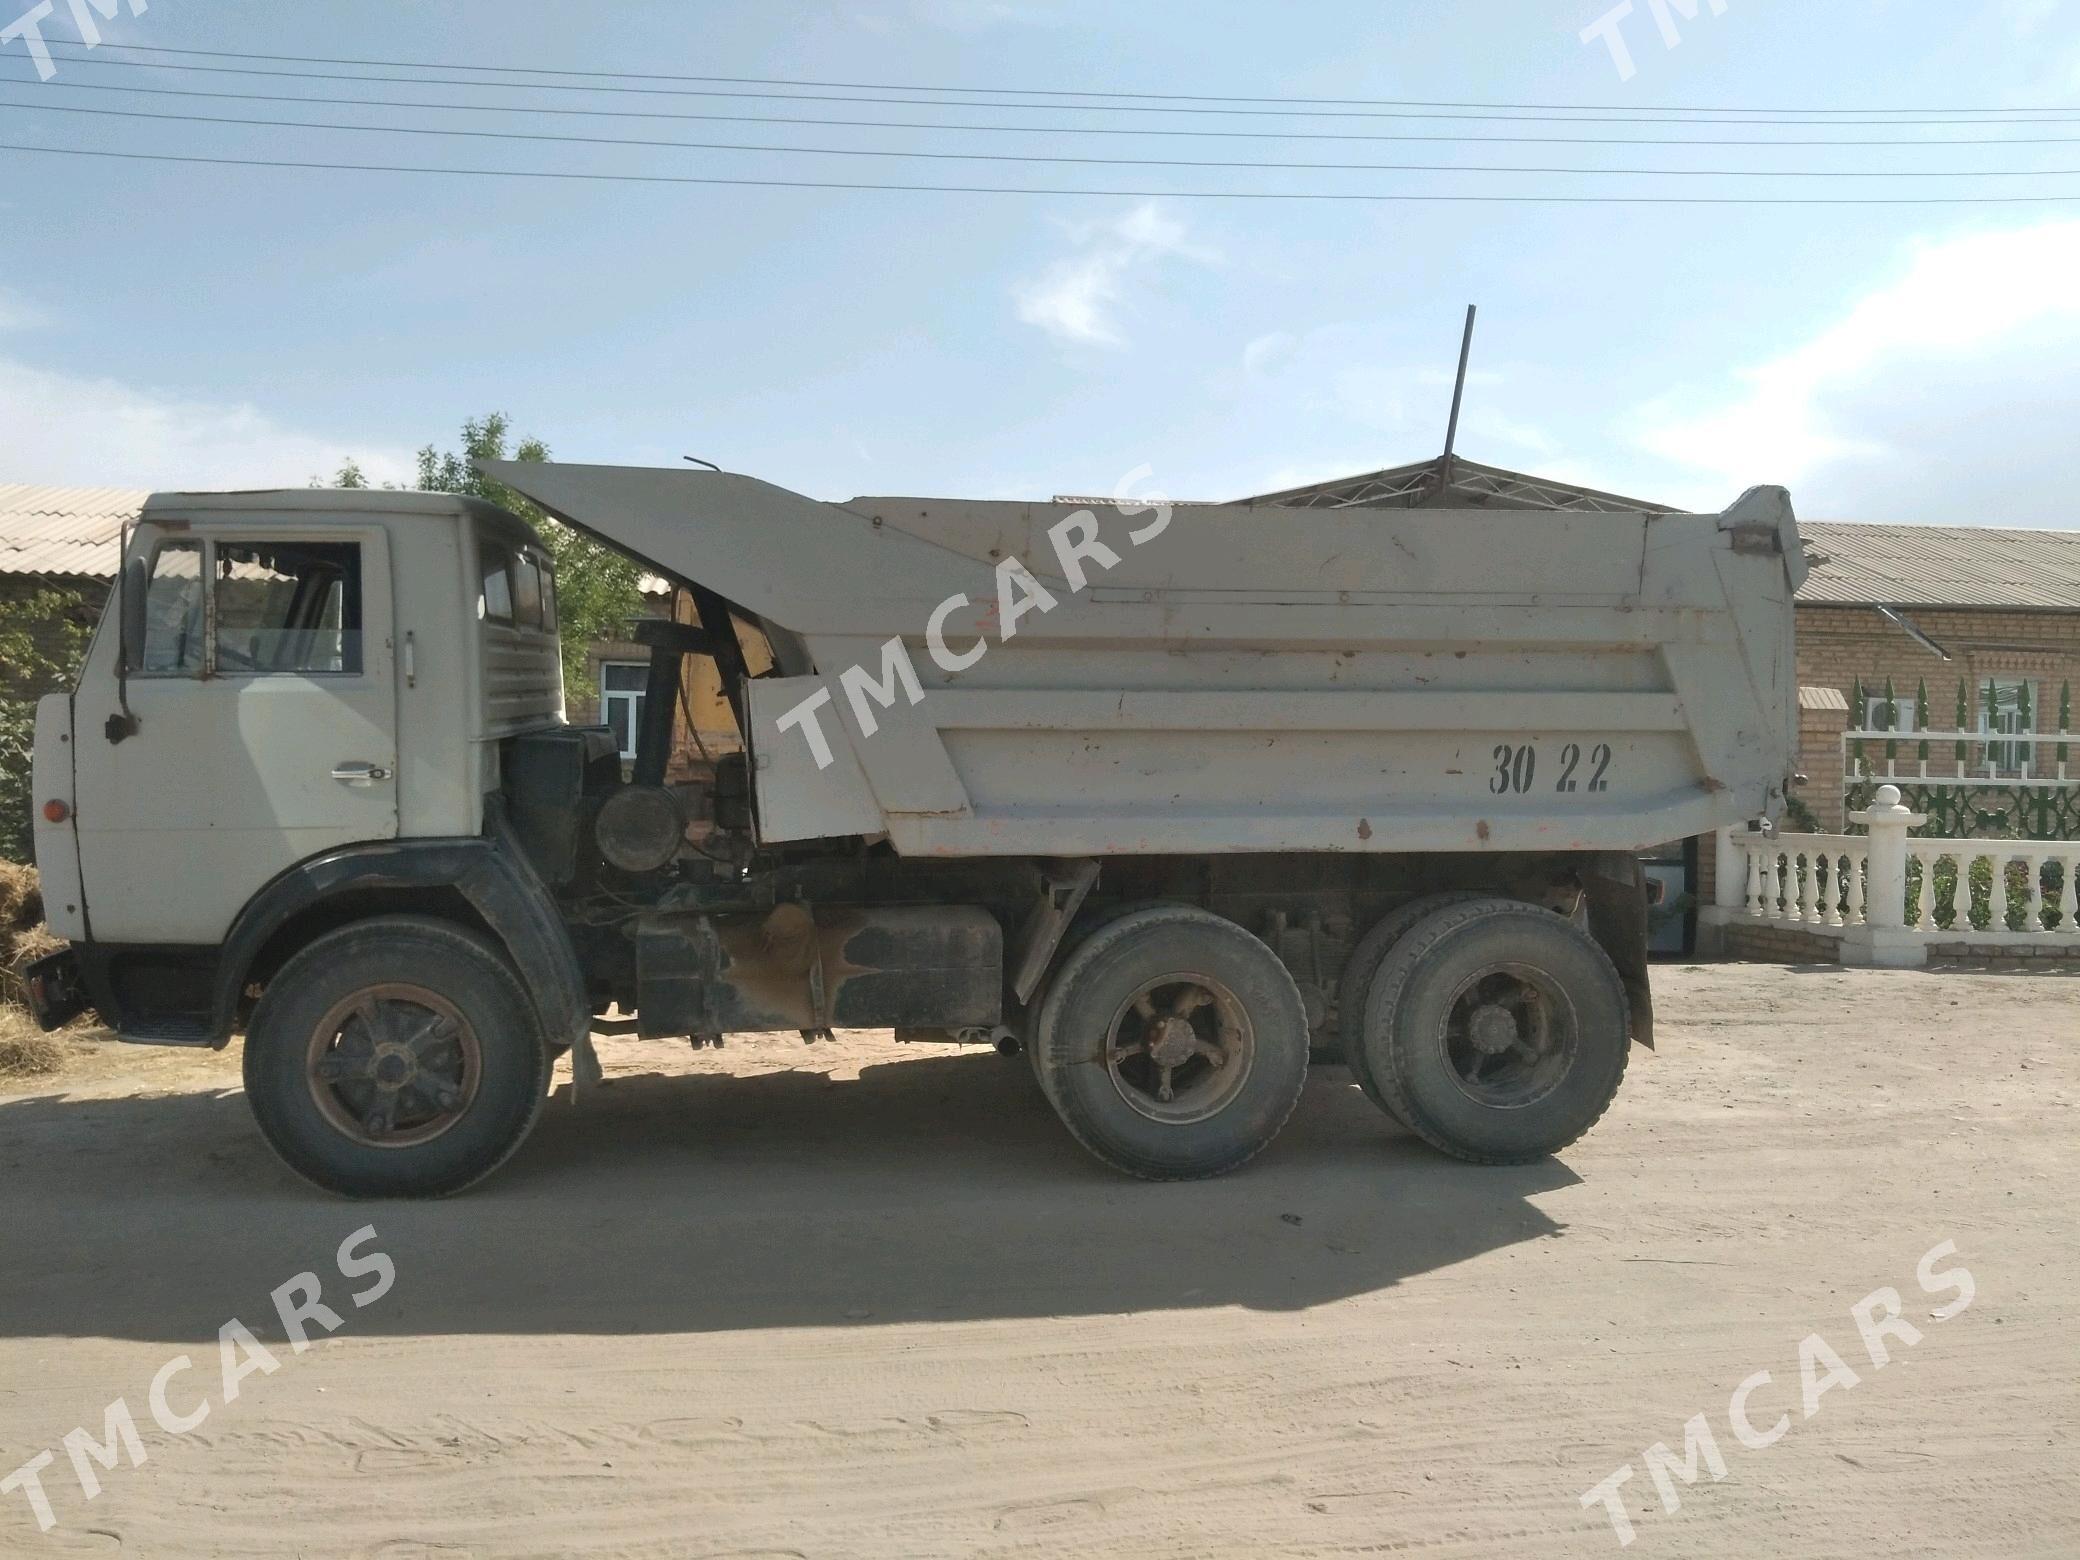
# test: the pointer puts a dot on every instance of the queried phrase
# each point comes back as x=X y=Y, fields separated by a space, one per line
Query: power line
x=811 y=97
x=1111 y=130
x=1015 y=157
x=885 y=86
x=1368 y=197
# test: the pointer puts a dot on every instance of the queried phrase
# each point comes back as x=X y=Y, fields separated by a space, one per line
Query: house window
x=2003 y=716
x=621 y=685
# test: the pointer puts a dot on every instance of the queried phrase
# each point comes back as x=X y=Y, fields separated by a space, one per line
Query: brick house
x=1989 y=614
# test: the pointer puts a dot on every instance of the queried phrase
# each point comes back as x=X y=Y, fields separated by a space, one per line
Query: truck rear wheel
x=1172 y=1044
x=397 y=1057
x=1497 y=1031
x=1355 y=984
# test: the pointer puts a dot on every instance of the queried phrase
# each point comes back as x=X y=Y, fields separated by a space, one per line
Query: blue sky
x=170 y=325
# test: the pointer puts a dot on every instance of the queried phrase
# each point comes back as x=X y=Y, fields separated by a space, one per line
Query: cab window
x=496 y=603
x=288 y=607
x=527 y=592
x=548 y=596
x=173 y=635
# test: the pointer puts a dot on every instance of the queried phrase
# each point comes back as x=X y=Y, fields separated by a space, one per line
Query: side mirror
x=130 y=637
x=135 y=588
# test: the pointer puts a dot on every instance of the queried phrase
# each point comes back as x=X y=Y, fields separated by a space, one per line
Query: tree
x=597 y=589
x=41 y=639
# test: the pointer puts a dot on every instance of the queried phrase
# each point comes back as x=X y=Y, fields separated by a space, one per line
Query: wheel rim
x=1180 y=1048
x=394 y=1066
x=1509 y=1036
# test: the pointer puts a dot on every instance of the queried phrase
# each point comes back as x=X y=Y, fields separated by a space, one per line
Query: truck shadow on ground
x=938 y=1189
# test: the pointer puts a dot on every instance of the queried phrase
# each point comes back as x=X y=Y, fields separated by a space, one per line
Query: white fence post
x=1731 y=866
x=1884 y=939
x=1729 y=873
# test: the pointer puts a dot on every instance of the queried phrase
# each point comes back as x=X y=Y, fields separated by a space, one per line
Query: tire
x=428 y=1095
x=1144 y=1003
x=1497 y=1031
x=1354 y=986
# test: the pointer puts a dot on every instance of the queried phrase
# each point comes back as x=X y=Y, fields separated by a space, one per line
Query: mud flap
x=1615 y=886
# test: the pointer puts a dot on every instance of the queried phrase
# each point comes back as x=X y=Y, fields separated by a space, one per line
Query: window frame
x=508 y=555
x=633 y=697
x=180 y=534
x=258 y=539
x=161 y=544
x=2000 y=747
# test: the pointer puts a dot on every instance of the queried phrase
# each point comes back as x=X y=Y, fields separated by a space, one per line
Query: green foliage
x=1974 y=911
x=42 y=637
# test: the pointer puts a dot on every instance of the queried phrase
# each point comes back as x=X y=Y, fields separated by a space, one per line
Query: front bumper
x=56 y=988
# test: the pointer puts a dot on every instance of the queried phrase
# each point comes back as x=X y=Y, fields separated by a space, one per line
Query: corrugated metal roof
x=1822 y=699
x=68 y=531
x=1941 y=566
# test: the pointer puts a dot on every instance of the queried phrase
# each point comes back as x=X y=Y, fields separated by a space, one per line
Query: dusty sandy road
x=866 y=1300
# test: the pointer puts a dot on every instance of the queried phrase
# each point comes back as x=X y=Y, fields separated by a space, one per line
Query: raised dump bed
x=1235 y=678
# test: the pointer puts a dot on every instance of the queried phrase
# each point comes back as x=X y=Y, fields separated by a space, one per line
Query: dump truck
x=1166 y=798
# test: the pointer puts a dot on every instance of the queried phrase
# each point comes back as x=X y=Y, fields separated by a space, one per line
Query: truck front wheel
x=397 y=1057
x=1497 y=1031
x=1172 y=1043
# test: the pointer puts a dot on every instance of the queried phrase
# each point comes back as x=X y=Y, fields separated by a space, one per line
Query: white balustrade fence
x=1887 y=897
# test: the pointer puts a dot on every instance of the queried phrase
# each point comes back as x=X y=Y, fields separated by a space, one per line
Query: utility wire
x=997 y=189
x=885 y=86
x=1015 y=157
x=810 y=97
x=1112 y=130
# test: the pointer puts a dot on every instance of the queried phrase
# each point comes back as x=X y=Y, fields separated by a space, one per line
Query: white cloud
x=1077 y=297
x=1948 y=392
x=63 y=428
x=1266 y=352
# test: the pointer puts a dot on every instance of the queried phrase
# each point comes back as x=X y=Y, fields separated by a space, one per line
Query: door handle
x=358 y=773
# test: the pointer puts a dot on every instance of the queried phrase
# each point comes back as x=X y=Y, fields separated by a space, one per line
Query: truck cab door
x=265 y=704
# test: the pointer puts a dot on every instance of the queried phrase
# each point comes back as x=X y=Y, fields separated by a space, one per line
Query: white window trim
x=632 y=697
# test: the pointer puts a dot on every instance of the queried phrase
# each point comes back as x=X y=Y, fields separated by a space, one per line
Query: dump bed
x=1237 y=677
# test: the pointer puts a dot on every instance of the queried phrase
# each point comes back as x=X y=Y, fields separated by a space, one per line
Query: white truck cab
x=306 y=670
